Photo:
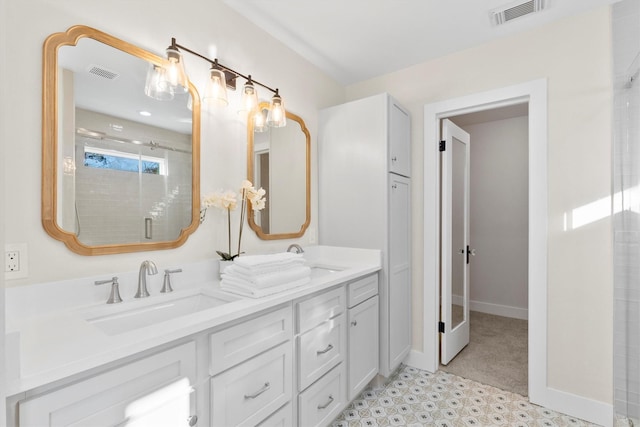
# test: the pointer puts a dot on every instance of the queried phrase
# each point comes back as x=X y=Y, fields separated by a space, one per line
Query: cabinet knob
x=394 y=158
x=354 y=323
x=192 y=420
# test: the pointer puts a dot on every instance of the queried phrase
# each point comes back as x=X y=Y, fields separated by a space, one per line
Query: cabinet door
x=399 y=140
x=399 y=291
x=363 y=345
x=156 y=390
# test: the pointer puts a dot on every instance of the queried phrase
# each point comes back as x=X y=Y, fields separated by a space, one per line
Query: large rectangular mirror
x=120 y=161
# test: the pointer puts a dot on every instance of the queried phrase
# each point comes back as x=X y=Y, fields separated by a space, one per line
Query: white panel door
x=399 y=290
x=399 y=140
x=455 y=250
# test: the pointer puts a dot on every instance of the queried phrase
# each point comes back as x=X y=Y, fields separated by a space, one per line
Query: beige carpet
x=496 y=354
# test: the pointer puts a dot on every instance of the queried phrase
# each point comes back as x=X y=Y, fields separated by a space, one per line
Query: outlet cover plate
x=23 y=272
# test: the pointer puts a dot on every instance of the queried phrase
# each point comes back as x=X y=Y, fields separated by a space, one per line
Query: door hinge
x=441 y=327
x=443 y=145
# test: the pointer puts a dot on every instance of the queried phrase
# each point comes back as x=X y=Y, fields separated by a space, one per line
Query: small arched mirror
x=120 y=169
x=278 y=160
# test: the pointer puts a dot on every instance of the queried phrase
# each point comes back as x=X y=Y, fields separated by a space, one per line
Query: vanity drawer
x=238 y=343
x=323 y=401
x=320 y=349
x=320 y=308
x=362 y=289
x=248 y=393
x=282 y=418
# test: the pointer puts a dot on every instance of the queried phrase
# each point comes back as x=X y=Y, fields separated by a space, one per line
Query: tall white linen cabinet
x=364 y=158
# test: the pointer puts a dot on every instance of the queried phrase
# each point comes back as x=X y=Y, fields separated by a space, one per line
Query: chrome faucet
x=147 y=267
x=297 y=248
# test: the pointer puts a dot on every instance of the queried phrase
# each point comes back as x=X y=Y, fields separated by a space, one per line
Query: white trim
x=577 y=406
x=495 y=309
x=535 y=93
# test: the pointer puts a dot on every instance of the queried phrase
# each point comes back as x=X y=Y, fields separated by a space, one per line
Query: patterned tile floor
x=418 y=398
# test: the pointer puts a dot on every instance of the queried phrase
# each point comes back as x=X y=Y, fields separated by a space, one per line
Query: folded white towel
x=266 y=269
x=253 y=292
x=267 y=279
x=256 y=261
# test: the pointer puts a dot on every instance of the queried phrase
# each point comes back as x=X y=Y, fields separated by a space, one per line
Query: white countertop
x=49 y=338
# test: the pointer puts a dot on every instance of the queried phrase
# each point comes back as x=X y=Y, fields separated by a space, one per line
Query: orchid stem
x=229 y=228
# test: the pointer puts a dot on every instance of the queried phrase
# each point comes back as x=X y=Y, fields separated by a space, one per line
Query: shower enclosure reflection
x=120 y=164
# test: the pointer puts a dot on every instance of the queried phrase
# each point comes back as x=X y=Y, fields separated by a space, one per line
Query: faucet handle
x=166 y=284
x=114 y=296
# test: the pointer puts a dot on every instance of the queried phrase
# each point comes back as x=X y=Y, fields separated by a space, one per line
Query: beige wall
x=574 y=55
x=205 y=26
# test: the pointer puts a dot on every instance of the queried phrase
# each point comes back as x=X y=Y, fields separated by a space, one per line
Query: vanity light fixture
x=172 y=78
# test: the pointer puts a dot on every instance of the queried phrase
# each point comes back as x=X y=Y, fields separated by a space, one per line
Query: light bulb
x=277 y=116
x=216 y=91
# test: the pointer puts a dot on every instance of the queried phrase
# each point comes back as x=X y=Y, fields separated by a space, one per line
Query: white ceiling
x=354 y=40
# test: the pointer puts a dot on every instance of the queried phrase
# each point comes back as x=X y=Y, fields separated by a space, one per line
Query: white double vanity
x=293 y=358
x=199 y=355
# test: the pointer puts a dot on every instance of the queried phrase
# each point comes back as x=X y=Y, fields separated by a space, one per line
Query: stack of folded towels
x=260 y=275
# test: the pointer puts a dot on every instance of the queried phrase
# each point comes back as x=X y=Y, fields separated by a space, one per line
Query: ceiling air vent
x=102 y=72
x=516 y=10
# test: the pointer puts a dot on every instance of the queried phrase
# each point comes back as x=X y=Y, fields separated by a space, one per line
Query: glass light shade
x=154 y=88
x=249 y=98
x=277 y=116
x=216 y=91
x=259 y=121
x=175 y=77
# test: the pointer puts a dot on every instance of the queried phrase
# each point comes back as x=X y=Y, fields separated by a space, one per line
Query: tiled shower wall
x=626 y=167
x=129 y=197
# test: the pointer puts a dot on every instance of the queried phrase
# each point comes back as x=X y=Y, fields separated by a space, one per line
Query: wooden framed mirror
x=279 y=160
x=120 y=169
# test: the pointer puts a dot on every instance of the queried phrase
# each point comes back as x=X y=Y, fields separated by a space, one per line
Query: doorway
x=535 y=94
x=484 y=247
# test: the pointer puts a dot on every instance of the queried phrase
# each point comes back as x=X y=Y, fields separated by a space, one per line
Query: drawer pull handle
x=266 y=387
x=354 y=323
x=326 y=350
x=329 y=402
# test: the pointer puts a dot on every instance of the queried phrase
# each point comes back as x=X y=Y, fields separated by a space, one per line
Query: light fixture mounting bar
x=230 y=73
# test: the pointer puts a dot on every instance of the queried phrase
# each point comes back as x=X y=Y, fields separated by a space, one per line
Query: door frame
x=535 y=94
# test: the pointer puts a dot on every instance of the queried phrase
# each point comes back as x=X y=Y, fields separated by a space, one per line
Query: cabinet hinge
x=443 y=145
x=441 y=327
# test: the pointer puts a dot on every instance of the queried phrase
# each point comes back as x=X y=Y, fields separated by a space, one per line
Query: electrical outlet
x=15 y=261
x=12 y=261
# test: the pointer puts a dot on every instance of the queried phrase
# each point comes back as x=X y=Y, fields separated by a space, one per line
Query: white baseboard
x=495 y=309
x=590 y=410
x=417 y=359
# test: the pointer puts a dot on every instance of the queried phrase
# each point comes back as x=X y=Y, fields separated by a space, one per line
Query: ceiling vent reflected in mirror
x=102 y=72
x=516 y=10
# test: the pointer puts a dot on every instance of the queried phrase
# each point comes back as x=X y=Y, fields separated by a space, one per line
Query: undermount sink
x=320 y=271
x=150 y=314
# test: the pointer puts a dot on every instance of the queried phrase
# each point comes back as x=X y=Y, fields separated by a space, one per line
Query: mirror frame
x=250 y=169
x=50 y=144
